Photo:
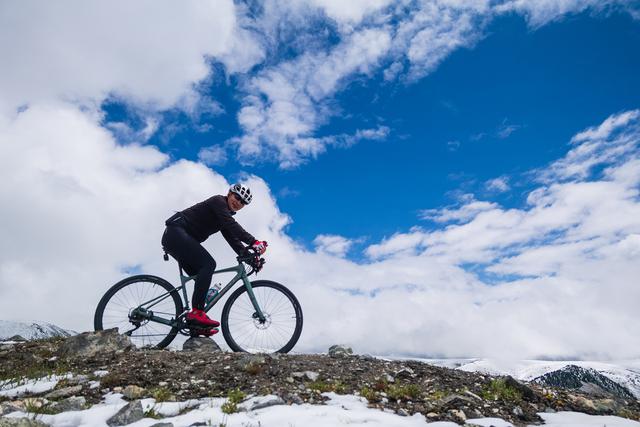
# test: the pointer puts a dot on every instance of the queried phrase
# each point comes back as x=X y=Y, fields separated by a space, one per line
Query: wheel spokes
x=143 y=333
x=268 y=336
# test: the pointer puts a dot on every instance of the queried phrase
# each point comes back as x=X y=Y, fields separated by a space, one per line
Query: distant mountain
x=31 y=330
x=584 y=379
x=625 y=373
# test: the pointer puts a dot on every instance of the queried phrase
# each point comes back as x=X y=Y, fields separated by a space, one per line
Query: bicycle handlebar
x=253 y=259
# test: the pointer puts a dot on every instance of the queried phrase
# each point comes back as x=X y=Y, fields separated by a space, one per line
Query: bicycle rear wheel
x=243 y=331
x=118 y=309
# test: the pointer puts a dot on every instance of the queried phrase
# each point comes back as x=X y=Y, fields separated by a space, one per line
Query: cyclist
x=185 y=232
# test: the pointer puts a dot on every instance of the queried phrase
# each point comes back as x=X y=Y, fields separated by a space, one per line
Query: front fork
x=258 y=315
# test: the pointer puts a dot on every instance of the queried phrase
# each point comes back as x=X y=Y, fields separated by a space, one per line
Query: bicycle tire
x=266 y=302
x=117 y=295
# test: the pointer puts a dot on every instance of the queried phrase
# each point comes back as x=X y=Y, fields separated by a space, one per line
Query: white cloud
x=498 y=185
x=74 y=55
x=290 y=99
x=541 y=12
x=332 y=244
x=127 y=134
x=213 y=155
x=71 y=50
x=351 y=12
x=437 y=29
x=506 y=130
x=613 y=140
x=453 y=145
x=286 y=103
x=575 y=247
x=379 y=133
x=461 y=214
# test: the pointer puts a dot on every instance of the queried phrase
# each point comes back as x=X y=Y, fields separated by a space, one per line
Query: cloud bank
x=555 y=277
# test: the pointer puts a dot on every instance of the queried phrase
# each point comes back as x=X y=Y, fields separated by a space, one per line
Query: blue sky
x=469 y=171
x=501 y=107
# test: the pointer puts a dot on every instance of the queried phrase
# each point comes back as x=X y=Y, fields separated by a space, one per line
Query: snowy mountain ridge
x=623 y=372
x=31 y=330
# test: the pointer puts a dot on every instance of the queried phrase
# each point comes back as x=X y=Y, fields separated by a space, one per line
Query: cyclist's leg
x=193 y=258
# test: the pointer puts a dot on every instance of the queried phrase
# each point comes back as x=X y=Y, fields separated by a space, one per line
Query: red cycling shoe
x=196 y=332
x=201 y=318
x=209 y=332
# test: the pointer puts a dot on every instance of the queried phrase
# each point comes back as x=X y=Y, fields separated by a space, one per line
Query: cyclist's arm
x=234 y=241
x=233 y=232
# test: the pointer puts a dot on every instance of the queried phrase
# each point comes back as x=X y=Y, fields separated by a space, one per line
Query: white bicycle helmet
x=243 y=191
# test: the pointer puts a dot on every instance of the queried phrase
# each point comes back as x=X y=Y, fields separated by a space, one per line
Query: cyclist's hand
x=259 y=246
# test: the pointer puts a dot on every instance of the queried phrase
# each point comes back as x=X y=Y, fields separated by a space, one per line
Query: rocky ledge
x=92 y=364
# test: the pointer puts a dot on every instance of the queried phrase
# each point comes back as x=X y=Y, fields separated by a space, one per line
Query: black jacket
x=212 y=215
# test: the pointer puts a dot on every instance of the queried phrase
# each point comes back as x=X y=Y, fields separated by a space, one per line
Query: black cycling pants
x=193 y=258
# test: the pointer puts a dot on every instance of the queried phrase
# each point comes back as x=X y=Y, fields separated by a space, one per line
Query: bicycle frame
x=143 y=310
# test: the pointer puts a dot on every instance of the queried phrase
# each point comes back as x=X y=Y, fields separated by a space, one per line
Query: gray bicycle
x=260 y=317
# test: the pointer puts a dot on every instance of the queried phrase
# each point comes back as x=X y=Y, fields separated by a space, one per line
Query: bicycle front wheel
x=120 y=308
x=280 y=331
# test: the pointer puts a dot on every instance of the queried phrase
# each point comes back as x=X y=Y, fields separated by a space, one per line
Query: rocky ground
x=106 y=362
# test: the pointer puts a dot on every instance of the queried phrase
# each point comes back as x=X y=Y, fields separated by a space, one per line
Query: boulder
x=261 y=402
x=340 y=351
x=20 y=422
x=75 y=403
x=133 y=392
x=90 y=344
x=131 y=413
x=200 y=344
x=527 y=393
x=455 y=401
x=9 y=407
x=63 y=392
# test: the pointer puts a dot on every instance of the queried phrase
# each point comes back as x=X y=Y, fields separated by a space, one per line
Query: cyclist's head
x=241 y=195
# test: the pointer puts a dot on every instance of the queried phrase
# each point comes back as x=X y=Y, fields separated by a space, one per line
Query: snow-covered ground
x=623 y=372
x=10 y=389
x=339 y=410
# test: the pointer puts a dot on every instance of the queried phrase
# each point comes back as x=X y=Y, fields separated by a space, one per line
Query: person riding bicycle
x=186 y=230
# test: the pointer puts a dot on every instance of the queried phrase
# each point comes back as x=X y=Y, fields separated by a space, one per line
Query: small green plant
x=112 y=380
x=152 y=413
x=161 y=394
x=236 y=395
x=625 y=413
x=403 y=392
x=35 y=407
x=229 y=407
x=320 y=386
x=369 y=394
x=498 y=389
x=339 y=388
x=437 y=395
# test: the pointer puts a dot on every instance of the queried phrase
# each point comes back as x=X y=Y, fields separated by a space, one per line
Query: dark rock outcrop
x=131 y=413
x=588 y=381
x=91 y=344
x=204 y=344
